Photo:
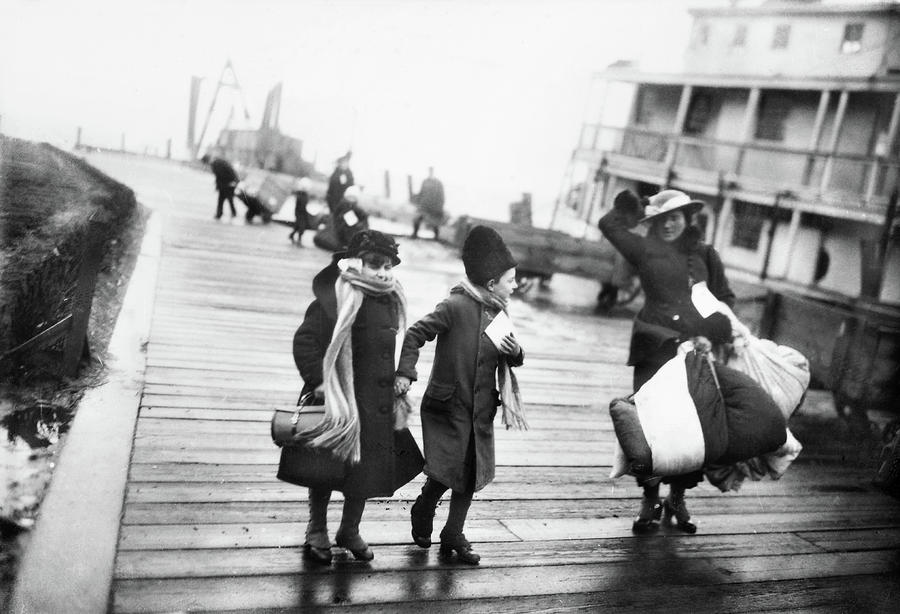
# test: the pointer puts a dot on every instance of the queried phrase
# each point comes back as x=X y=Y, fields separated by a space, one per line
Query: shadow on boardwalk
x=207 y=527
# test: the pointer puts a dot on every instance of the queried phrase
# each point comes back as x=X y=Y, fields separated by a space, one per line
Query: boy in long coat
x=385 y=460
x=461 y=399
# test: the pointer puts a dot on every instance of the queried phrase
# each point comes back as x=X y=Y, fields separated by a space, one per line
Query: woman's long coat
x=667 y=272
x=374 y=335
x=461 y=398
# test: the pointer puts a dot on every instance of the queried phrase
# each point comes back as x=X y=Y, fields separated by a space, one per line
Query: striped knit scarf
x=339 y=430
x=511 y=398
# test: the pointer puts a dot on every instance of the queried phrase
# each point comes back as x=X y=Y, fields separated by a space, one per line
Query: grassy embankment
x=51 y=205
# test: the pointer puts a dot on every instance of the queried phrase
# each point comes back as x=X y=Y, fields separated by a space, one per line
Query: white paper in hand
x=499 y=328
x=703 y=299
x=351 y=218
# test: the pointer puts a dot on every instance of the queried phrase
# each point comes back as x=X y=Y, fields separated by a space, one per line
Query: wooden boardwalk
x=207 y=527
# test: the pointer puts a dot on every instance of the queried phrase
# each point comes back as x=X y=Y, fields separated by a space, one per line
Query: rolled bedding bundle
x=783 y=373
x=684 y=418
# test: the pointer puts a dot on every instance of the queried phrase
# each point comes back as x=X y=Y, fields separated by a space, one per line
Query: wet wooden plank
x=624 y=508
x=288 y=534
x=274 y=591
x=196 y=563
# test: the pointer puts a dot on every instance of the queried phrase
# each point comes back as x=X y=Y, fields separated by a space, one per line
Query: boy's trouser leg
x=459 y=510
x=461 y=500
x=352 y=514
x=317 y=527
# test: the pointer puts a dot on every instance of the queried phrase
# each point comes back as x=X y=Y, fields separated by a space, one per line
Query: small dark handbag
x=300 y=463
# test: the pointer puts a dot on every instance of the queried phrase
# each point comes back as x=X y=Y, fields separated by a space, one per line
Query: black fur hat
x=372 y=241
x=485 y=255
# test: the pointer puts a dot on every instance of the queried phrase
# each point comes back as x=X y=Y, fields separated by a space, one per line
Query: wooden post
x=885 y=240
x=792 y=238
x=78 y=138
x=387 y=183
x=169 y=149
x=881 y=154
x=680 y=116
x=122 y=145
x=773 y=222
x=747 y=127
x=833 y=141
x=824 y=99
x=76 y=343
x=724 y=216
x=769 y=319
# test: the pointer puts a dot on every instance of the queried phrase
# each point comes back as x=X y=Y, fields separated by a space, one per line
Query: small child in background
x=461 y=399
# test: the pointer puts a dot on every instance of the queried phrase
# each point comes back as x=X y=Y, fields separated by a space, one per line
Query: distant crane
x=227 y=79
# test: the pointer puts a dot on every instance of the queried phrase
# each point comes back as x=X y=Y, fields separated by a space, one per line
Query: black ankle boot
x=676 y=512
x=647 y=520
x=462 y=547
x=422 y=520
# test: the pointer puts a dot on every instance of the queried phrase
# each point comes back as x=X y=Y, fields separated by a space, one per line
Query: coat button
x=676 y=317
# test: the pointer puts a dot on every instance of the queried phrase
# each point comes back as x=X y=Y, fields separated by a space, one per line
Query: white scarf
x=339 y=430
x=510 y=397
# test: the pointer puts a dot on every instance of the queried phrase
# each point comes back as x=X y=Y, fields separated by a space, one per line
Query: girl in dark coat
x=461 y=399
x=344 y=350
x=669 y=261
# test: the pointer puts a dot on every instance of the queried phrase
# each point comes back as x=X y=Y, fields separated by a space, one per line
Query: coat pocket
x=438 y=397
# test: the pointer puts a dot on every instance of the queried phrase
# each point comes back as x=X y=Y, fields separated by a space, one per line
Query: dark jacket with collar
x=667 y=271
x=461 y=398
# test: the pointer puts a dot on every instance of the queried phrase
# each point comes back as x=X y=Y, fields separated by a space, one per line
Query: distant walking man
x=430 y=204
x=226 y=180
x=341 y=179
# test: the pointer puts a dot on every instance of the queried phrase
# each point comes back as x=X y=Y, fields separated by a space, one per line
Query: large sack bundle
x=782 y=371
x=680 y=420
x=755 y=423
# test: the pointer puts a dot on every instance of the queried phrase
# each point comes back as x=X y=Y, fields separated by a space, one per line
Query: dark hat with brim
x=372 y=242
x=668 y=201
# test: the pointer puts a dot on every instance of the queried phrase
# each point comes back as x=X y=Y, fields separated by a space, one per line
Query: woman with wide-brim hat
x=669 y=261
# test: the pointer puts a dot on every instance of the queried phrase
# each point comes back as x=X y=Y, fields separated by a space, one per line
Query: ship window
x=699 y=114
x=740 y=35
x=646 y=101
x=748 y=225
x=852 y=42
x=773 y=111
x=782 y=36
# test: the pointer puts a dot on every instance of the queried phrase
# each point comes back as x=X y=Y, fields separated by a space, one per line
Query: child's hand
x=401 y=385
x=510 y=346
x=319 y=392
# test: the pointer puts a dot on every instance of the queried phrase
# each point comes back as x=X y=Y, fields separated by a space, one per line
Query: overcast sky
x=491 y=93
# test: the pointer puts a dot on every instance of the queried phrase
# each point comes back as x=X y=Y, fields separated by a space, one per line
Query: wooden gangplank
x=207 y=527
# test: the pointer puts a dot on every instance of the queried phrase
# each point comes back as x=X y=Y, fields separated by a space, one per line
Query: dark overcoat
x=373 y=335
x=340 y=180
x=224 y=173
x=461 y=398
x=667 y=272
